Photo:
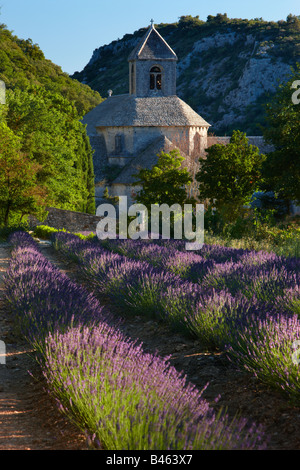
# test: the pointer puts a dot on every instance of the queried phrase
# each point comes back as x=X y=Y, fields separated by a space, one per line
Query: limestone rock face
x=224 y=72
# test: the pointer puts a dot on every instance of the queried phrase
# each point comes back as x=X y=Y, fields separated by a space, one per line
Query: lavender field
x=242 y=302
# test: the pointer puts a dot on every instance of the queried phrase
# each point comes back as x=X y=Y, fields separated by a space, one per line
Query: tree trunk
x=7 y=213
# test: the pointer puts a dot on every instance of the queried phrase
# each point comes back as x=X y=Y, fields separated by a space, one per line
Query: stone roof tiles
x=152 y=46
x=129 y=110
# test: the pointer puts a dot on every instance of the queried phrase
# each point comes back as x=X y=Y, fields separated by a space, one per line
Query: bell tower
x=152 y=67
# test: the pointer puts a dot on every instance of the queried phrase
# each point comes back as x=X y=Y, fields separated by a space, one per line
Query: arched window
x=119 y=143
x=155 y=78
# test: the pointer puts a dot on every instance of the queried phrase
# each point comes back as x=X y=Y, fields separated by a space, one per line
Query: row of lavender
x=259 y=275
x=121 y=397
x=246 y=303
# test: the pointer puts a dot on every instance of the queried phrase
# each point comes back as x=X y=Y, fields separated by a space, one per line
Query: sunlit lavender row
x=121 y=397
x=244 y=302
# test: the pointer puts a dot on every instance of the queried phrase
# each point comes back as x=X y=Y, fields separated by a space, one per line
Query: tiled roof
x=129 y=110
x=152 y=46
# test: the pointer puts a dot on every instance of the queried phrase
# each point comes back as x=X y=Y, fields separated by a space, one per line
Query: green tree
x=111 y=199
x=22 y=64
x=229 y=175
x=281 y=170
x=165 y=182
x=20 y=194
x=50 y=130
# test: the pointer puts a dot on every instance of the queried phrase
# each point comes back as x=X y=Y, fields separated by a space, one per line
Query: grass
x=288 y=248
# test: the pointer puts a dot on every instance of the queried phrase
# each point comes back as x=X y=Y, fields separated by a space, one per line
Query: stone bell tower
x=152 y=67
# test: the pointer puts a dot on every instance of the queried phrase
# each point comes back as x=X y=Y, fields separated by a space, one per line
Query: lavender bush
x=265 y=348
x=42 y=298
x=123 y=398
x=132 y=284
x=254 y=281
x=289 y=301
x=237 y=292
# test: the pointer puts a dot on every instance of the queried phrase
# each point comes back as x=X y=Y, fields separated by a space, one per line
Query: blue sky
x=69 y=30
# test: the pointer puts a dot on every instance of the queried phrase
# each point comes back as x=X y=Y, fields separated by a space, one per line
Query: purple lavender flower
x=102 y=380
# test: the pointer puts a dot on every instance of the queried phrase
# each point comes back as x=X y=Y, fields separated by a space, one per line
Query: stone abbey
x=128 y=131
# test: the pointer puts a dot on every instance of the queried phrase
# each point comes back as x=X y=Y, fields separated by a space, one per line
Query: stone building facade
x=129 y=131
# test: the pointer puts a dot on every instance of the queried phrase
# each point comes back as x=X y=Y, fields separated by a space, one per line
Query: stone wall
x=190 y=140
x=124 y=190
x=69 y=220
x=257 y=141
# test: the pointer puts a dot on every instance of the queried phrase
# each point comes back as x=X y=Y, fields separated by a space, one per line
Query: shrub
x=265 y=348
x=45 y=232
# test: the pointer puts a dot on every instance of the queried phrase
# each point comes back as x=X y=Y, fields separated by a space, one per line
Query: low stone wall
x=257 y=141
x=69 y=220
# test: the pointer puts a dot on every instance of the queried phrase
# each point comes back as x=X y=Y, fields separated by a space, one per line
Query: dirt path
x=30 y=420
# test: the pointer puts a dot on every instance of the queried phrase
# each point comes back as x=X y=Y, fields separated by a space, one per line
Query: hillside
x=23 y=64
x=40 y=125
x=226 y=68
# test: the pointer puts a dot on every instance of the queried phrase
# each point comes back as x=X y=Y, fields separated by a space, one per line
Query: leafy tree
x=189 y=22
x=219 y=18
x=43 y=110
x=22 y=64
x=229 y=175
x=85 y=155
x=293 y=22
x=165 y=182
x=281 y=170
x=112 y=199
x=50 y=130
x=20 y=194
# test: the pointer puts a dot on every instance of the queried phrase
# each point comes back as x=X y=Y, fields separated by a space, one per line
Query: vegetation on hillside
x=213 y=57
x=41 y=117
x=23 y=64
